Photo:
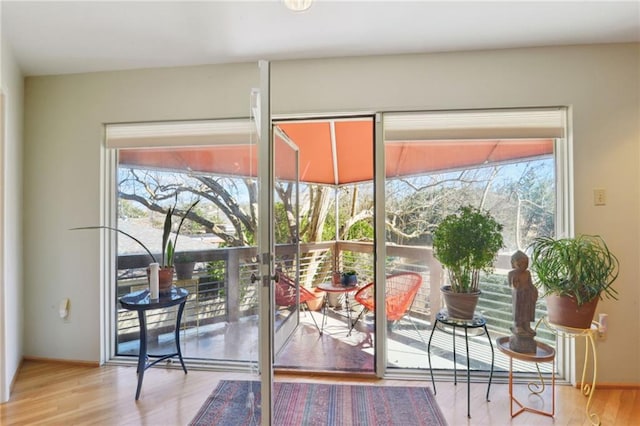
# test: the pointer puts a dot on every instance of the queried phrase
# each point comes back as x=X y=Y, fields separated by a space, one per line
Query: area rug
x=236 y=403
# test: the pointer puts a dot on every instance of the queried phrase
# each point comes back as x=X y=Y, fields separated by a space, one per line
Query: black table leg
x=140 y=302
x=178 y=349
x=142 y=354
x=435 y=324
x=324 y=312
x=466 y=340
x=346 y=302
x=492 y=360
x=455 y=371
x=476 y=322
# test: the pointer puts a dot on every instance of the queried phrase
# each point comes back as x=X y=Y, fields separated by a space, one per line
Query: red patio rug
x=236 y=403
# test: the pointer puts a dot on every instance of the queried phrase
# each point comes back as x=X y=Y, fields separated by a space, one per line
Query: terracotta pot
x=459 y=305
x=564 y=311
x=165 y=279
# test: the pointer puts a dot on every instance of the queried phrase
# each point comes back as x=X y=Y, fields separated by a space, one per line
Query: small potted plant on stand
x=466 y=243
x=573 y=274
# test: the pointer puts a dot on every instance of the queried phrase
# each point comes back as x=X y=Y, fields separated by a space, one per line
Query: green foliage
x=361 y=230
x=329 y=229
x=216 y=270
x=466 y=243
x=582 y=267
x=169 y=246
x=281 y=222
x=129 y=210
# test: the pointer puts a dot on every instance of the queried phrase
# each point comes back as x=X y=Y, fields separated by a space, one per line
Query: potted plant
x=573 y=274
x=466 y=243
x=184 y=263
x=168 y=246
x=349 y=278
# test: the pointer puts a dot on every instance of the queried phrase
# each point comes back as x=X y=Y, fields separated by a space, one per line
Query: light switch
x=599 y=197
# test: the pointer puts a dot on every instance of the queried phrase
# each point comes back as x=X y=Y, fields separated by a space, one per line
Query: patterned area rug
x=236 y=403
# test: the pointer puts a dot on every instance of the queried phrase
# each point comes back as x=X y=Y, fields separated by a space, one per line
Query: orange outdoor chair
x=401 y=290
x=285 y=294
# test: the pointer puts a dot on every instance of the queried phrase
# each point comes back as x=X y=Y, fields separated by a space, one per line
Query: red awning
x=338 y=156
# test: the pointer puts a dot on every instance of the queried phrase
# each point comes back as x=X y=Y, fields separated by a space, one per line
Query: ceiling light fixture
x=298 y=5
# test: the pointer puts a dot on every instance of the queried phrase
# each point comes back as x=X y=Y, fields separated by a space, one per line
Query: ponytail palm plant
x=582 y=267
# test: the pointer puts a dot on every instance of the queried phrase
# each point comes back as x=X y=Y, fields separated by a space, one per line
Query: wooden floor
x=61 y=394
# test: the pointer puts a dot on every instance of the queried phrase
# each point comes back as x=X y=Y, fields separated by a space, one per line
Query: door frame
x=266 y=244
x=380 y=252
x=285 y=330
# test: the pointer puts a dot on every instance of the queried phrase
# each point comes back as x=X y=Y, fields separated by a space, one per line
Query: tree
x=416 y=205
x=154 y=189
x=521 y=196
x=533 y=194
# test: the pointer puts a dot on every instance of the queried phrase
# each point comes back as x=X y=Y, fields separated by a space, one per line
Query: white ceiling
x=55 y=37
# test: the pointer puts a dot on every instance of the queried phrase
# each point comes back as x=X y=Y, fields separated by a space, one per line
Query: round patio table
x=330 y=287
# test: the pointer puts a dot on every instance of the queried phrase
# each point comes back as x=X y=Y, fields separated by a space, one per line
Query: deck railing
x=221 y=289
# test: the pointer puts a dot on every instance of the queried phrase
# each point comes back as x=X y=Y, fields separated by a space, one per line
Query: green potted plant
x=184 y=263
x=573 y=274
x=349 y=278
x=168 y=246
x=466 y=243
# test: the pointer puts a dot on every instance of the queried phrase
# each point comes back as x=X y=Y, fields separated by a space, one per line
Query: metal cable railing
x=221 y=289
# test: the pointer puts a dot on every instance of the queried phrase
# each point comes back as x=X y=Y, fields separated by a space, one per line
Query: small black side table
x=478 y=321
x=139 y=301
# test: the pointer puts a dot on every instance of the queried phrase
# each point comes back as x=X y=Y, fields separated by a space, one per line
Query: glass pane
x=336 y=236
x=214 y=253
x=425 y=181
x=286 y=222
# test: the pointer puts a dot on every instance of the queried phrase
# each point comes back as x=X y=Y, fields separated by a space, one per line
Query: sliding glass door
x=506 y=162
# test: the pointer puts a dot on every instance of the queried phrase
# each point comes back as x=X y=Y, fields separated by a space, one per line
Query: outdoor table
x=329 y=287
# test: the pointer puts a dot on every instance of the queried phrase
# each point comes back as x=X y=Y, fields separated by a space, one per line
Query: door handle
x=255 y=278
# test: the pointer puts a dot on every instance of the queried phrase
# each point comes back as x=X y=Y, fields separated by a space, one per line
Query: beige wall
x=64 y=133
x=64 y=116
x=11 y=284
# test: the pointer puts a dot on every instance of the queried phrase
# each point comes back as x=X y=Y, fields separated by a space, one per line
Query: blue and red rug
x=236 y=403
